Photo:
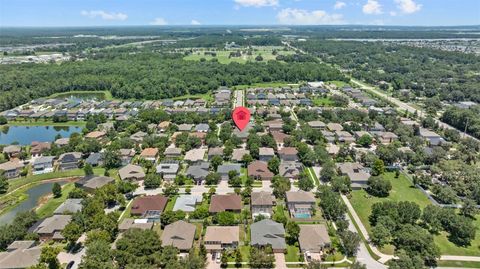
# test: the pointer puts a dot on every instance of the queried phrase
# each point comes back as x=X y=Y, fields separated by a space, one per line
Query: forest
x=452 y=76
x=147 y=75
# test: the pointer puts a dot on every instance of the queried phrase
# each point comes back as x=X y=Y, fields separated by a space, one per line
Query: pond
x=25 y=135
x=34 y=194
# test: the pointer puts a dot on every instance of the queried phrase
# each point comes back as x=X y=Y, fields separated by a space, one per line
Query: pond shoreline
x=24 y=196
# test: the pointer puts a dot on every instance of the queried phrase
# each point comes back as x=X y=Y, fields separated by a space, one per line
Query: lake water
x=34 y=194
x=25 y=135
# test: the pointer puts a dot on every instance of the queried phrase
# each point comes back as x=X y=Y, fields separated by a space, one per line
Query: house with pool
x=300 y=204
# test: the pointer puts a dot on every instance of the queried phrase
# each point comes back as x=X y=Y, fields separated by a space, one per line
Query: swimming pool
x=302 y=215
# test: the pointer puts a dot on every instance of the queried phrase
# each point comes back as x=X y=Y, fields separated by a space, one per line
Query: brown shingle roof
x=262 y=198
x=149 y=152
x=259 y=169
x=179 y=234
x=226 y=202
x=149 y=203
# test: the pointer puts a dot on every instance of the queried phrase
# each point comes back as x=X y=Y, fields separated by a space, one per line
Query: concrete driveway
x=280 y=261
x=65 y=258
x=212 y=264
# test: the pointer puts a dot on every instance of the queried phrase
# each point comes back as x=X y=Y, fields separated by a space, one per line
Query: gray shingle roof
x=268 y=232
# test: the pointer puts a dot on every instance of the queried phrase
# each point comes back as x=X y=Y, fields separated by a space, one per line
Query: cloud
x=372 y=7
x=408 y=6
x=393 y=13
x=109 y=16
x=339 y=5
x=301 y=16
x=195 y=22
x=257 y=3
x=159 y=21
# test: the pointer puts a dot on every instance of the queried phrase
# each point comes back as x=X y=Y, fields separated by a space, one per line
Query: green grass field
x=325 y=101
x=403 y=190
x=293 y=254
x=102 y=95
x=223 y=55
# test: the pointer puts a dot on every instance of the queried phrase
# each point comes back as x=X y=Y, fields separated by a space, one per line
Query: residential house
x=195 y=155
x=95 y=159
x=185 y=127
x=225 y=202
x=172 y=153
x=333 y=127
x=149 y=154
x=386 y=137
x=126 y=155
x=329 y=136
x=43 y=165
x=187 y=202
x=262 y=203
x=91 y=183
x=300 y=204
x=290 y=169
x=138 y=137
x=279 y=138
x=237 y=154
x=12 y=151
x=163 y=126
x=97 y=135
x=357 y=174
x=61 y=142
x=288 y=154
x=69 y=161
x=20 y=254
x=266 y=154
x=149 y=207
x=129 y=223
x=38 y=148
x=224 y=169
x=12 y=169
x=431 y=137
x=179 y=234
x=51 y=227
x=313 y=238
x=319 y=125
x=168 y=169
x=218 y=238
x=268 y=233
x=259 y=170
x=202 y=127
x=131 y=172
x=344 y=137
x=198 y=172
x=70 y=206
x=218 y=151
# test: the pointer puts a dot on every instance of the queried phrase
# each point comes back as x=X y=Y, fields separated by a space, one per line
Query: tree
x=170 y=189
x=380 y=235
x=365 y=141
x=378 y=186
x=142 y=247
x=56 y=190
x=98 y=255
x=261 y=257
x=247 y=159
x=169 y=217
x=350 y=241
x=405 y=261
x=259 y=58
x=293 y=231
x=224 y=259
x=444 y=194
x=3 y=120
x=280 y=186
x=152 y=181
x=48 y=257
x=432 y=218
x=225 y=218
x=212 y=178
x=3 y=183
x=238 y=258
x=216 y=161
x=378 y=167
x=358 y=265
x=72 y=232
x=469 y=208
x=88 y=169
x=328 y=171
x=274 y=164
x=111 y=159
x=332 y=206
x=416 y=241
x=305 y=183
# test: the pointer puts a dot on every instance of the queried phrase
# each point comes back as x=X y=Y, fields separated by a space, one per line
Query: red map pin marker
x=241 y=117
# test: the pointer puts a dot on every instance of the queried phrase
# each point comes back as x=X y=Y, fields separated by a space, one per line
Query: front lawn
x=47 y=208
x=293 y=254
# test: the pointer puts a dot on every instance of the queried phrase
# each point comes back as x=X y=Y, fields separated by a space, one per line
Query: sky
x=238 y=12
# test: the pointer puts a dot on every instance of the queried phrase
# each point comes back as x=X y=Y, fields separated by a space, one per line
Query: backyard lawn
x=293 y=254
x=223 y=55
x=47 y=209
x=403 y=190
